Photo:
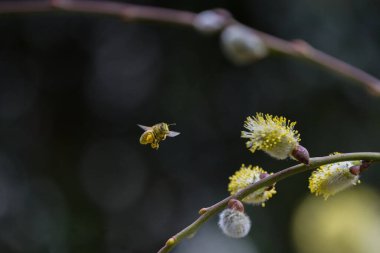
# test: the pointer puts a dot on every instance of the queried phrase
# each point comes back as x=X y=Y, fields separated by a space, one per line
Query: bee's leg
x=154 y=145
x=164 y=137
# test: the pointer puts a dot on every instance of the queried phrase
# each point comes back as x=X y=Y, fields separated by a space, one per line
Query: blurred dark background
x=73 y=176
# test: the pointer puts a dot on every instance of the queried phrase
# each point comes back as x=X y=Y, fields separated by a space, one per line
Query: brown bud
x=202 y=211
x=263 y=175
x=301 y=154
x=355 y=170
x=236 y=205
x=171 y=241
x=364 y=166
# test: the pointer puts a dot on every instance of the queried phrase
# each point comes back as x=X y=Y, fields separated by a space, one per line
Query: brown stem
x=297 y=49
x=136 y=13
x=303 y=50
x=127 y=12
x=267 y=181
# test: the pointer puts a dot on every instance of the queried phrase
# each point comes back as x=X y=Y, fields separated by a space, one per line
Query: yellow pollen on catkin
x=246 y=176
x=272 y=134
x=330 y=179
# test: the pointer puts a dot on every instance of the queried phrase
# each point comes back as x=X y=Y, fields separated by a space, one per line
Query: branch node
x=58 y=4
x=301 y=47
x=203 y=211
x=171 y=241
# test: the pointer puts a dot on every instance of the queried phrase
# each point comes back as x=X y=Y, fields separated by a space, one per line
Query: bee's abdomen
x=147 y=137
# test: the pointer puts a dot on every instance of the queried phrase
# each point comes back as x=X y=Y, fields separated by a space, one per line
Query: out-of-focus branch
x=302 y=50
x=124 y=11
x=207 y=213
x=137 y=13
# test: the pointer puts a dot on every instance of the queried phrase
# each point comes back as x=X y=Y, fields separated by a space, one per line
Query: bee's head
x=164 y=127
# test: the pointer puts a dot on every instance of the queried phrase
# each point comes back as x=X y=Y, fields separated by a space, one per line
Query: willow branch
x=137 y=13
x=124 y=11
x=209 y=212
x=302 y=50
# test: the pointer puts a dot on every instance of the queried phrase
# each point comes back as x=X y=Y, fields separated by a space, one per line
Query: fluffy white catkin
x=234 y=223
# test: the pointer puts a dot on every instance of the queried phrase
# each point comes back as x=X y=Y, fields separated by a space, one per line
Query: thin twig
x=297 y=49
x=124 y=11
x=270 y=180
x=137 y=13
x=303 y=50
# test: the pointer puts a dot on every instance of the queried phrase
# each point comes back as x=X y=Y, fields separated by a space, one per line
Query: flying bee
x=154 y=134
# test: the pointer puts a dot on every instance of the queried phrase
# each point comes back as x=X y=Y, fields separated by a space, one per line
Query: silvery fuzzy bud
x=241 y=45
x=233 y=222
x=209 y=22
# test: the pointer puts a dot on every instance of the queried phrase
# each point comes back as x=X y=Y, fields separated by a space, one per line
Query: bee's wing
x=145 y=127
x=173 y=134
